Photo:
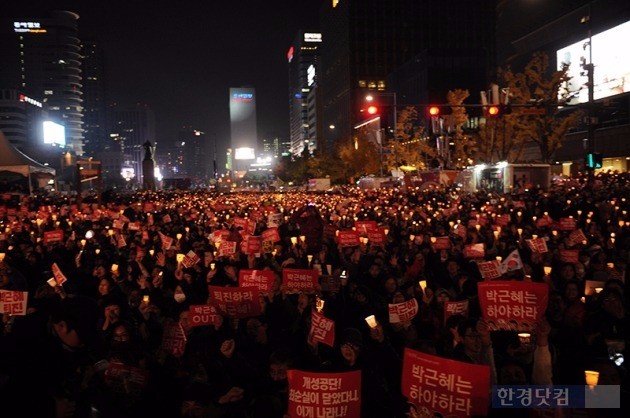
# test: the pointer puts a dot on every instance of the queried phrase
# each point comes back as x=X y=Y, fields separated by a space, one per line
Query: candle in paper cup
x=83 y=242
x=319 y=304
x=423 y=284
x=583 y=299
x=499 y=258
x=598 y=289
x=433 y=240
x=302 y=238
x=151 y=252
x=547 y=270
x=179 y=236
x=412 y=237
x=145 y=299
x=610 y=265
x=371 y=321
x=534 y=236
x=114 y=267
x=294 y=240
x=52 y=282
x=97 y=251
x=592 y=377
x=309 y=257
x=212 y=266
x=180 y=258
x=520 y=231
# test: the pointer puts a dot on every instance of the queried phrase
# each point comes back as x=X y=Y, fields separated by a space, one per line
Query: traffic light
x=493 y=111
x=439 y=110
x=372 y=110
x=594 y=160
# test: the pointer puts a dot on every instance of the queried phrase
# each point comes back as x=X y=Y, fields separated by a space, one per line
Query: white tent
x=14 y=161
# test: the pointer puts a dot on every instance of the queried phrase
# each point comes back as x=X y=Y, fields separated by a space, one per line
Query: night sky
x=180 y=57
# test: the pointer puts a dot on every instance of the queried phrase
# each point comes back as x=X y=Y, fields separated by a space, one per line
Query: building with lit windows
x=366 y=41
x=96 y=139
x=303 y=61
x=41 y=58
x=131 y=127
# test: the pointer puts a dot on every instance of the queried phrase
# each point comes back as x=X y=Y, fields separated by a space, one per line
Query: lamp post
x=589 y=68
x=370 y=97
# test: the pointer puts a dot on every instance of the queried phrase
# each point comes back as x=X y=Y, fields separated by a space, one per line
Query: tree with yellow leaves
x=535 y=85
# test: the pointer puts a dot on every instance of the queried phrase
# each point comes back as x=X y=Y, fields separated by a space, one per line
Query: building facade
x=95 y=135
x=577 y=33
x=303 y=61
x=42 y=59
x=366 y=41
x=131 y=127
x=243 y=128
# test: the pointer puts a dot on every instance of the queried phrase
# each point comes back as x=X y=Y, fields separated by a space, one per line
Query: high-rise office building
x=303 y=73
x=42 y=59
x=131 y=127
x=95 y=135
x=365 y=41
x=243 y=129
x=195 y=162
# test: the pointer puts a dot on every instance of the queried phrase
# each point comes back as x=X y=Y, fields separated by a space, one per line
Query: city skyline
x=181 y=61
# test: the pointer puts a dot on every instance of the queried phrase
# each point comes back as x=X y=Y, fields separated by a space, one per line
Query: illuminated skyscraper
x=243 y=130
x=303 y=73
x=41 y=58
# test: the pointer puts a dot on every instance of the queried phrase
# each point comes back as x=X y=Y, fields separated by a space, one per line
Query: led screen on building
x=611 y=61
x=243 y=118
x=54 y=133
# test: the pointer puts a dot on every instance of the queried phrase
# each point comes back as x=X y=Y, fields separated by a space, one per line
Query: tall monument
x=148 y=167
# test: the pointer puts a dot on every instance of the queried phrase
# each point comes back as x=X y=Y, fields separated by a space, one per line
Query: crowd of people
x=92 y=345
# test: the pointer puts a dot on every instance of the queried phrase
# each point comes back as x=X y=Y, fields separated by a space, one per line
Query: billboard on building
x=611 y=61
x=54 y=133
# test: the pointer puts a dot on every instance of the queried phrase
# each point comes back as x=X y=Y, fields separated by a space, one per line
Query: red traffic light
x=434 y=111
x=493 y=111
x=372 y=110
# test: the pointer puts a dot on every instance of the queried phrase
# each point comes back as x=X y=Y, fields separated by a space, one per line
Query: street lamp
x=369 y=98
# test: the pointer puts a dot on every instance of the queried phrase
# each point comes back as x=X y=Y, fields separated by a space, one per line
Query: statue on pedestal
x=148 y=167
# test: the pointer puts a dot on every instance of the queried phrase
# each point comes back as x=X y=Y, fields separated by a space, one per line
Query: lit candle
x=302 y=238
x=371 y=321
x=499 y=258
x=114 y=267
x=592 y=377
x=423 y=284
x=547 y=270
x=294 y=240
x=309 y=257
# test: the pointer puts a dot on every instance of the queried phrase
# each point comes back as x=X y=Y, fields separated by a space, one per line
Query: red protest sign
x=502 y=220
x=134 y=226
x=363 y=227
x=403 y=312
x=60 y=278
x=261 y=279
x=442 y=243
x=449 y=387
x=299 y=280
x=200 y=315
x=53 y=236
x=235 y=302
x=124 y=379
x=166 y=241
x=252 y=245
x=13 y=302
x=166 y=219
x=270 y=234
x=567 y=224
x=190 y=259
x=377 y=237
x=576 y=237
x=489 y=270
x=474 y=251
x=511 y=305
x=220 y=235
x=174 y=339
x=461 y=231
x=227 y=249
x=348 y=238
x=459 y=307
x=118 y=224
x=569 y=256
x=324 y=394
x=538 y=245
x=322 y=329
